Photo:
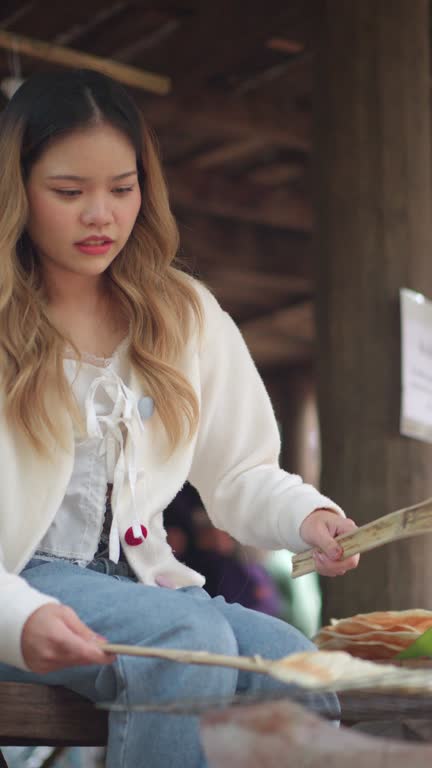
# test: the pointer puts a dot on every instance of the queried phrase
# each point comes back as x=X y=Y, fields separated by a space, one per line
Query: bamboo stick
x=322 y=670
x=401 y=524
x=248 y=663
x=58 y=54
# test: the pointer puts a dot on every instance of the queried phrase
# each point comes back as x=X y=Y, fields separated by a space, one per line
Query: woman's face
x=84 y=198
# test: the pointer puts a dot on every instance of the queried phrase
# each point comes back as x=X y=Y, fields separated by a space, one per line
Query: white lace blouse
x=109 y=407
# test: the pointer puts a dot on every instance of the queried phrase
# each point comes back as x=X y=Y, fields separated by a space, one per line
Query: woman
x=121 y=379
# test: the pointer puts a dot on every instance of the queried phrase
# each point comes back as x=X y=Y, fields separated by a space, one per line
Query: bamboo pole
x=57 y=54
x=247 y=663
x=322 y=670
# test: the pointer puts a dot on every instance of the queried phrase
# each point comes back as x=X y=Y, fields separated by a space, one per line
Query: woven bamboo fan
x=411 y=521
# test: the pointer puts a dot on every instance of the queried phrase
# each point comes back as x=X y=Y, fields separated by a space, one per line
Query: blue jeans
x=126 y=611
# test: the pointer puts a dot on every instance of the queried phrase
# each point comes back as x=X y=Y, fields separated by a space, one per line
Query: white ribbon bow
x=108 y=428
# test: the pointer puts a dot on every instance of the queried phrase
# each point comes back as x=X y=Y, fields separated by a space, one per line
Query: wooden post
x=372 y=131
x=293 y=394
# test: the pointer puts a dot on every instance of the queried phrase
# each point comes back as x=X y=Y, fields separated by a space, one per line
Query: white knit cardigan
x=232 y=461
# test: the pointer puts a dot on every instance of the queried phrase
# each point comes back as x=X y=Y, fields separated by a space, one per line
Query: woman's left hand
x=319 y=529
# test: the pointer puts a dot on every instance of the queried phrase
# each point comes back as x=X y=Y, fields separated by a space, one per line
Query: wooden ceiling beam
x=285 y=45
x=89 y=25
x=211 y=243
x=246 y=293
x=229 y=116
x=220 y=196
x=228 y=152
x=276 y=173
x=253 y=284
x=225 y=37
x=67 y=57
x=150 y=39
x=284 y=336
x=14 y=14
x=295 y=322
x=46 y=19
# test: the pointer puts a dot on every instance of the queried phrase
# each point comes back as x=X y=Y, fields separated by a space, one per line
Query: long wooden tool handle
x=249 y=663
x=397 y=525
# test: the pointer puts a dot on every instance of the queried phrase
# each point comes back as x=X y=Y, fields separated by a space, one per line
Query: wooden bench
x=53 y=716
x=48 y=715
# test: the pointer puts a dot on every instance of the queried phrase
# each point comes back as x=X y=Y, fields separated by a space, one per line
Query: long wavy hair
x=157 y=299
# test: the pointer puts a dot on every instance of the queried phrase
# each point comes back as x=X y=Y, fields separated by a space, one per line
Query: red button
x=130 y=538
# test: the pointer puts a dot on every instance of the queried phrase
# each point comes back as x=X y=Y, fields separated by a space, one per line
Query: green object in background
x=300 y=598
x=420 y=647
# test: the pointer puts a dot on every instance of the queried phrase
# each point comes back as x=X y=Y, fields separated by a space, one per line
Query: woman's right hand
x=54 y=637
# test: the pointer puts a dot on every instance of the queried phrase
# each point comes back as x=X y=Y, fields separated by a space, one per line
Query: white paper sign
x=416 y=359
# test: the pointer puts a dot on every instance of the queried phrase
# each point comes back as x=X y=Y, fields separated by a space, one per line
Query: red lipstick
x=94 y=246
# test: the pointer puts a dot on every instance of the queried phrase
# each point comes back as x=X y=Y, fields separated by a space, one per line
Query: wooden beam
x=286 y=335
x=285 y=45
x=117 y=32
x=220 y=196
x=295 y=322
x=261 y=288
x=56 y=54
x=46 y=20
x=247 y=293
x=276 y=173
x=16 y=14
x=235 y=150
x=225 y=115
x=210 y=243
x=81 y=29
x=225 y=37
x=149 y=40
x=262 y=77
x=217 y=48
